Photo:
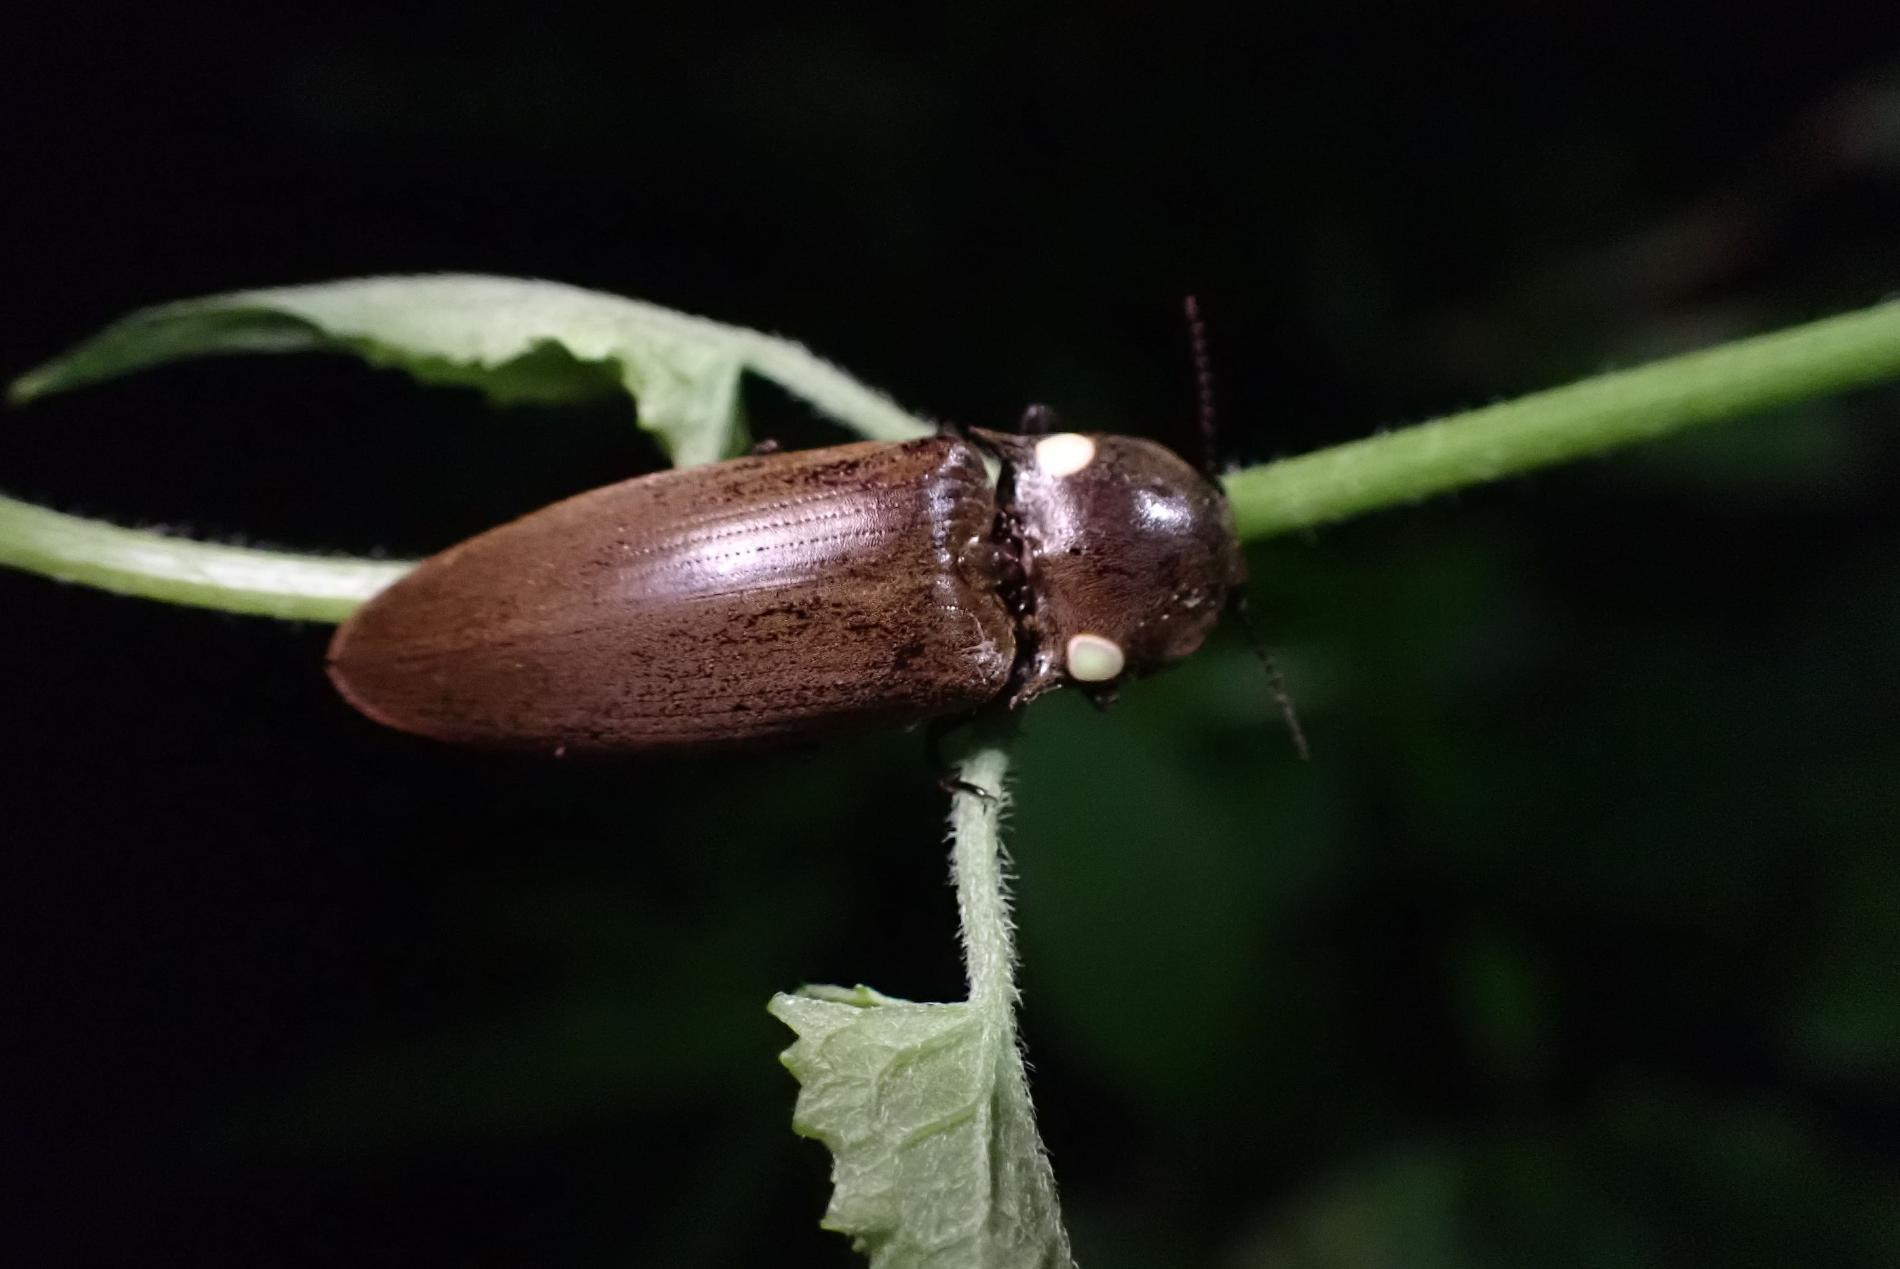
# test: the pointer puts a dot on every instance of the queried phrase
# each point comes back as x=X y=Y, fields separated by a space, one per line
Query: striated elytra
x=790 y=596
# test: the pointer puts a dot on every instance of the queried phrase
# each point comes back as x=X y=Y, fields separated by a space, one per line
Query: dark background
x=1576 y=943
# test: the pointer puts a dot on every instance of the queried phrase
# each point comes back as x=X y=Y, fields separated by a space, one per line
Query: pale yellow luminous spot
x=1093 y=659
x=1064 y=453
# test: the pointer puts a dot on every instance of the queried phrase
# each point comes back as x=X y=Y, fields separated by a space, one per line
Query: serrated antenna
x=1204 y=391
x=1276 y=683
x=1203 y=382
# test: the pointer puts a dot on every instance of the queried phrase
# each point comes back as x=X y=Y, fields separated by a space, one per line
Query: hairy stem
x=989 y=946
x=180 y=571
x=833 y=392
x=1589 y=417
x=979 y=866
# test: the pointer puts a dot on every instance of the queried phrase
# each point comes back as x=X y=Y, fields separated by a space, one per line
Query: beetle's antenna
x=1204 y=390
x=1276 y=683
x=1203 y=382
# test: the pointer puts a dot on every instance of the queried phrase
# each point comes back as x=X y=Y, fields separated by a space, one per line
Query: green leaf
x=515 y=339
x=925 y=1107
x=926 y=1113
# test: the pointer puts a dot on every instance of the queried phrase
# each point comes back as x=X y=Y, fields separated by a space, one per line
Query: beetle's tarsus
x=956 y=784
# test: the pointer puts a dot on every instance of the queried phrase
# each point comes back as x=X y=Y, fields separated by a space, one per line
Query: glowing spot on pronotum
x=1064 y=453
x=1093 y=659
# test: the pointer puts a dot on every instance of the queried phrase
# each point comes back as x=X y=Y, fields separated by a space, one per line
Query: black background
x=1575 y=944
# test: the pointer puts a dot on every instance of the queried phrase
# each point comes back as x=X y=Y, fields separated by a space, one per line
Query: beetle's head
x=1129 y=555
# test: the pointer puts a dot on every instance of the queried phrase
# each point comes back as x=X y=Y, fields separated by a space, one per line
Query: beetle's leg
x=947 y=779
x=1040 y=420
x=954 y=785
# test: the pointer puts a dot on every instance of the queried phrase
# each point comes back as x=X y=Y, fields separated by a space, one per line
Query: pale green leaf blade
x=515 y=339
x=926 y=1112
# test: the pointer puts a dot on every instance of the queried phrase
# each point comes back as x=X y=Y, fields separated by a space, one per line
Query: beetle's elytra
x=793 y=595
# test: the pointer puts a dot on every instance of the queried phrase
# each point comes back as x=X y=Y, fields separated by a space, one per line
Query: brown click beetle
x=788 y=596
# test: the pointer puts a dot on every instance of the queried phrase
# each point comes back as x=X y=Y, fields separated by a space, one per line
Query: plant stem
x=1590 y=417
x=180 y=571
x=989 y=946
x=979 y=867
x=830 y=390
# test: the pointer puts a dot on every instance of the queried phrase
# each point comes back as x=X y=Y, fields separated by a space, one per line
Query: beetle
x=789 y=596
